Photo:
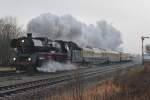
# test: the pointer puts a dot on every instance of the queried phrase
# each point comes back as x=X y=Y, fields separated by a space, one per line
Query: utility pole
x=143 y=38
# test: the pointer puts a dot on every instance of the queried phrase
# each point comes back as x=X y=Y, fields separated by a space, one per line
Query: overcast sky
x=130 y=17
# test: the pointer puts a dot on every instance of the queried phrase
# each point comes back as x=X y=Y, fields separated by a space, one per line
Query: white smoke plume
x=66 y=27
x=53 y=66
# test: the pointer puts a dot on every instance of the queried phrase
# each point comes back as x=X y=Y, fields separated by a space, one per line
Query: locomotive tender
x=32 y=52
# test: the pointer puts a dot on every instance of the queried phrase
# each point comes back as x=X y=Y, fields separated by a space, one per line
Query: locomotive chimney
x=29 y=35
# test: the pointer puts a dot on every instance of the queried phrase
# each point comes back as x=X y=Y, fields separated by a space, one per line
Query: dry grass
x=3 y=69
x=135 y=85
x=100 y=92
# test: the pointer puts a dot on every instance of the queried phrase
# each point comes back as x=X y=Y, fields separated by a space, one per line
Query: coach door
x=76 y=56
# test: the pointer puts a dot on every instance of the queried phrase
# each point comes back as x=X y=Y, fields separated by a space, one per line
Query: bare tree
x=8 y=30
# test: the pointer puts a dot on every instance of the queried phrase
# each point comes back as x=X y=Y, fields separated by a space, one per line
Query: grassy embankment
x=134 y=85
x=3 y=69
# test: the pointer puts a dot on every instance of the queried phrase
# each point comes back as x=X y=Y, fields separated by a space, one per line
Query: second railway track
x=15 y=89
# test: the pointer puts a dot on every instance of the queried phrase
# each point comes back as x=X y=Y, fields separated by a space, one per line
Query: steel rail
x=6 y=74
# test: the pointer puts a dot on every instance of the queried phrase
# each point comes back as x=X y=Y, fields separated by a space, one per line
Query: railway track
x=7 y=73
x=14 y=73
x=22 y=88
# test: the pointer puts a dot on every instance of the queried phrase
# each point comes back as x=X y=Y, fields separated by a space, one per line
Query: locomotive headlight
x=29 y=59
x=22 y=41
x=14 y=58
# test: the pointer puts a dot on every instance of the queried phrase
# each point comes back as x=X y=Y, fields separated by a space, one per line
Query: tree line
x=9 y=29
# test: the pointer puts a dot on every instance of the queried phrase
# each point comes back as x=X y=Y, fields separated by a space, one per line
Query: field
x=134 y=85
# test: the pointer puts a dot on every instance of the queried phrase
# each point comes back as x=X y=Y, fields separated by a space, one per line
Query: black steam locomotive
x=32 y=52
